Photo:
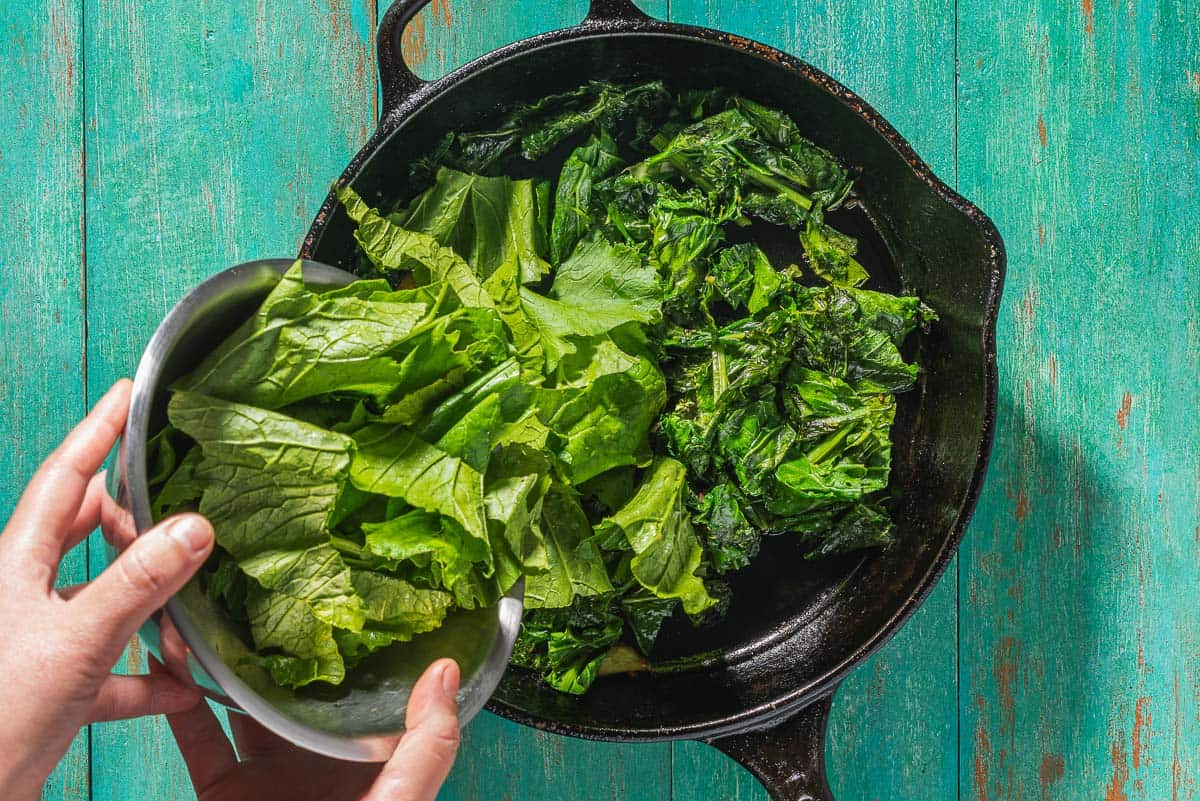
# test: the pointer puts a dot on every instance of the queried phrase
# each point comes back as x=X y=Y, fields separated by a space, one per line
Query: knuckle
x=442 y=741
x=140 y=573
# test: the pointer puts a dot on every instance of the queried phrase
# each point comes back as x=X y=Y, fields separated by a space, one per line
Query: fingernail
x=191 y=530
x=450 y=678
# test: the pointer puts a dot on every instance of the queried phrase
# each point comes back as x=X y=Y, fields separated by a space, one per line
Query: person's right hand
x=271 y=769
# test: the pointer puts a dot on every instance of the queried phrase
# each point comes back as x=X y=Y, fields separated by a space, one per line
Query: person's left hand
x=60 y=645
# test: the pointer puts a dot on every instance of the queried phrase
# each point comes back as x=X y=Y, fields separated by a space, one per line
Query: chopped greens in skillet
x=598 y=382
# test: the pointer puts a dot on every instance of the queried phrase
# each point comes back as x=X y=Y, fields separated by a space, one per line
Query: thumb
x=152 y=569
x=426 y=752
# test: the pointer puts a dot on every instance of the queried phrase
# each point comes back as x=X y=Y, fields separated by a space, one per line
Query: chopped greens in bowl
x=598 y=382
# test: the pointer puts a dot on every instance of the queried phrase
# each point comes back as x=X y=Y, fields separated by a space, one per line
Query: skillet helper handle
x=614 y=11
x=396 y=79
x=399 y=82
x=788 y=757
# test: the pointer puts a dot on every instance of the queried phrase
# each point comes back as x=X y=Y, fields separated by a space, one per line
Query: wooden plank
x=1080 y=134
x=41 y=283
x=893 y=730
x=213 y=131
x=499 y=759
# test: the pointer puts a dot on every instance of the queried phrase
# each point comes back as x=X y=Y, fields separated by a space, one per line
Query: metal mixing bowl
x=362 y=719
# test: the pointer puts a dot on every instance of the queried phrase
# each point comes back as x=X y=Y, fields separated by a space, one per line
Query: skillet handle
x=788 y=757
x=397 y=80
x=614 y=11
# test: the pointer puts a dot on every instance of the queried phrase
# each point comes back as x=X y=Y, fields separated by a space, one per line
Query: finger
x=116 y=524
x=89 y=514
x=206 y=750
x=67 y=593
x=160 y=693
x=149 y=572
x=54 y=494
x=253 y=741
x=423 y=759
x=173 y=652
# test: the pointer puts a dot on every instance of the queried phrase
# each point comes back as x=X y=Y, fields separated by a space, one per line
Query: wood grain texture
x=499 y=759
x=41 y=266
x=894 y=727
x=1070 y=669
x=1079 y=134
x=213 y=131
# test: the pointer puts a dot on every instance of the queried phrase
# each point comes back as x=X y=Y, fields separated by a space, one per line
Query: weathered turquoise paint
x=213 y=131
x=1058 y=662
x=41 y=266
x=894 y=727
x=1078 y=131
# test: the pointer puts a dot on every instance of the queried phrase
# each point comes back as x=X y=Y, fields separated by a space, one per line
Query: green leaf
x=534 y=130
x=600 y=288
x=573 y=197
x=393 y=461
x=646 y=612
x=279 y=622
x=393 y=249
x=182 y=491
x=831 y=255
x=659 y=530
x=315 y=577
x=516 y=487
x=575 y=566
x=567 y=645
x=426 y=539
x=731 y=539
x=841 y=467
x=396 y=607
x=471 y=438
x=487 y=221
x=603 y=413
x=302 y=343
x=767 y=284
x=262 y=472
x=839 y=339
x=607 y=286
x=865 y=525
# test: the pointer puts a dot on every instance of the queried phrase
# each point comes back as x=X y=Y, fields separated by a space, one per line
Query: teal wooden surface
x=213 y=131
x=41 y=266
x=894 y=726
x=1056 y=660
x=1078 y=131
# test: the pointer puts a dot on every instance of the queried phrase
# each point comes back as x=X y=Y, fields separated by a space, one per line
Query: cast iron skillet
x=759 y=685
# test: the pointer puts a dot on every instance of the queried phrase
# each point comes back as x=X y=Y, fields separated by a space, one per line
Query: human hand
x=60 y=645
x=272 y=769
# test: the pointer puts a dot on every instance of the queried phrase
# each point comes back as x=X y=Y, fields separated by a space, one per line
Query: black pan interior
x=795 y=625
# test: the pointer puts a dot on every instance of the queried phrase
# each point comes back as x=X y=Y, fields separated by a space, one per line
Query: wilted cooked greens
x=598 y=382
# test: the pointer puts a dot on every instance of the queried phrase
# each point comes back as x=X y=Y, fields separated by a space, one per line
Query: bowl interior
x=795 y=625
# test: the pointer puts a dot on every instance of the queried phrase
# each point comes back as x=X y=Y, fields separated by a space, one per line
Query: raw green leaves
x=599 y=383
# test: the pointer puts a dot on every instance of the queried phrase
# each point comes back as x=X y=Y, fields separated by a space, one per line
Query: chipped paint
x=1004 y=671
x=1089 y=17
x=1124 y=410
x=1051 y=771
x=1141 y=730
x=982 y=750
x=1041 y=130
x=1120 y=776
x=1021 y=509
